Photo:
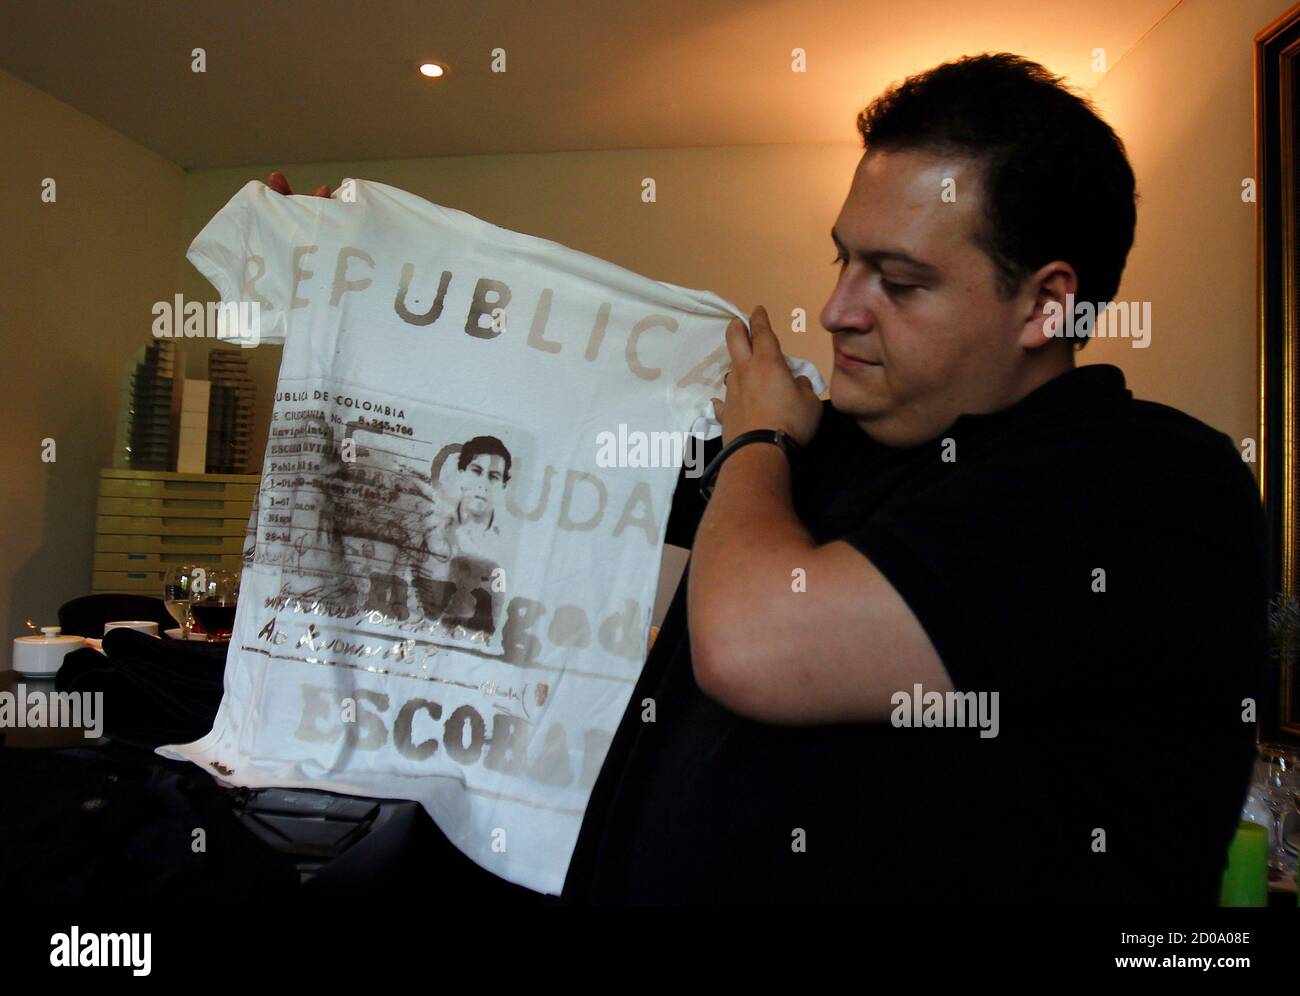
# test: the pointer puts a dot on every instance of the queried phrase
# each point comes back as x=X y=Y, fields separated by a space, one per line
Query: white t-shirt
x=450 y=587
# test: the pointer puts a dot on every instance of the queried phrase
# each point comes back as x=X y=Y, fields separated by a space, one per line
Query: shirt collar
x=1095 y=382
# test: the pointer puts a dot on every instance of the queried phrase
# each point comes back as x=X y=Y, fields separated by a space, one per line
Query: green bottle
x=1245 y=880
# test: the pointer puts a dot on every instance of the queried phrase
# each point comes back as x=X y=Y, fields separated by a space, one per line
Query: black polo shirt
x=1096 y=561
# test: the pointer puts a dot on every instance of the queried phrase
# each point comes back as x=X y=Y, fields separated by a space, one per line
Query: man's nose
x=843 y=312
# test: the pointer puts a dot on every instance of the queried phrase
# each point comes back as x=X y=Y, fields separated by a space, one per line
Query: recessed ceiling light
x=431 y=69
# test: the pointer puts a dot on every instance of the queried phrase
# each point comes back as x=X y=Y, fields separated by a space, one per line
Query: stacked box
x=145 y=439
x=230 y=412
x=192 y=446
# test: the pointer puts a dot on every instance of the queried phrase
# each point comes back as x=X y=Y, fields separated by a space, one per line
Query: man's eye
x=890 y=286
x=893 y=288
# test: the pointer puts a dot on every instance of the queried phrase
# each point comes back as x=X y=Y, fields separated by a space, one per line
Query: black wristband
x=782 y=439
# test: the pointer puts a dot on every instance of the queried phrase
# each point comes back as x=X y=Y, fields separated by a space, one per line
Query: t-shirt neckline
x=1095 y=382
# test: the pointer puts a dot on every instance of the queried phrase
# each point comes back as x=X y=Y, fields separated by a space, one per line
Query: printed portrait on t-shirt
x=382 y=525
x=458 y=558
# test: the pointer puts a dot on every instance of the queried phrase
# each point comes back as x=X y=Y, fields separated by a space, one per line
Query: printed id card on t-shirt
x=456 y=544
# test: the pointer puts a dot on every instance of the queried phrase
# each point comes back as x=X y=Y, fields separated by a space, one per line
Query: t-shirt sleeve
x=1027 y=570
x=688 y=504
x=245 y=252
x=702 y=363
x=700 y=360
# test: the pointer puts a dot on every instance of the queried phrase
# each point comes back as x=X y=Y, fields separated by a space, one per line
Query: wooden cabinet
x=147 y=521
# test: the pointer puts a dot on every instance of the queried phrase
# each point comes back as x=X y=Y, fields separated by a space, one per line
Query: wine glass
x=215 y=603
x=1275 y=786
x=178 y=593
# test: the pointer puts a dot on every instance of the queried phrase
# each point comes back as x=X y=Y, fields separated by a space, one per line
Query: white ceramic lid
x=50 y=636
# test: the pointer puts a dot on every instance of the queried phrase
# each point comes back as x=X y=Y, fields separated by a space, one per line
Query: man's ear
x=1048 y=297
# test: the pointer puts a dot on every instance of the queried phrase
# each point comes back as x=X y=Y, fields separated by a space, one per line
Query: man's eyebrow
x=888 y=256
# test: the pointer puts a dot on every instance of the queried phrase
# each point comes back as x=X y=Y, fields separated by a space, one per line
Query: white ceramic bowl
x=42 y=656
x=142 y=625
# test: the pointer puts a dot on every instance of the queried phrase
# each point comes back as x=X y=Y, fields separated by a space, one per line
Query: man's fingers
x=760 y=333
x=280 y=184
x=738 y=342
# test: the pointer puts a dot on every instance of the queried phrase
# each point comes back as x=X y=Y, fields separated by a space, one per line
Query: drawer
x=195 y=546
x=156 y=484
x=188 y=507
x=154 y=525
x=138 y=582
x=161 y=562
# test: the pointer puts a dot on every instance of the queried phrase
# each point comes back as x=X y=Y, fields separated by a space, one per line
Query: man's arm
x=784 y=630
x=833 y=648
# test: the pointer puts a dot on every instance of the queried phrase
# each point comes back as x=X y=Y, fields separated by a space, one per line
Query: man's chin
x=875 y=415
x=852 y=399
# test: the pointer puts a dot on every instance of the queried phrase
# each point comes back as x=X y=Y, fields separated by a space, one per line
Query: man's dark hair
x=1057 y=181
x=484 y=446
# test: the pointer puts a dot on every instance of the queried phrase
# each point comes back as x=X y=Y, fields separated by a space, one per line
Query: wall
x=1194 y=253
x=78 y=280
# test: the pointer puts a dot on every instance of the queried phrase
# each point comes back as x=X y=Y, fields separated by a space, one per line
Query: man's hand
x=280 y=185
x=761 y=391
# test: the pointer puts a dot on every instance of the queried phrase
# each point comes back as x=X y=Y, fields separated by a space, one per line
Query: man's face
x=479 y=482
x=920 y=334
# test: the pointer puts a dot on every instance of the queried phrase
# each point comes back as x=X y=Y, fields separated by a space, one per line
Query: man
x=460 y=546
x=990 y=635
x=484 y=467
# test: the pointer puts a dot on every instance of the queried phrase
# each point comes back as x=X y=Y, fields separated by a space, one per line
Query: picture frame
x=1277 y=187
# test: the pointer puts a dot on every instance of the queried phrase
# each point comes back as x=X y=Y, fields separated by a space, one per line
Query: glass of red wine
x=215 y=602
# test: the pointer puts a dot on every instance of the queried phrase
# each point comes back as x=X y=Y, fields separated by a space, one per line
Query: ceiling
x=292 y=81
